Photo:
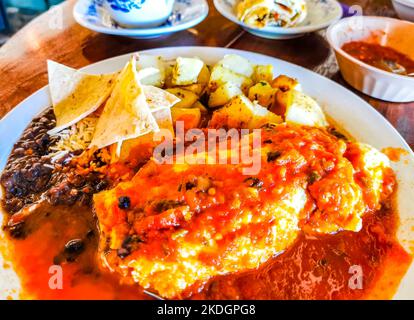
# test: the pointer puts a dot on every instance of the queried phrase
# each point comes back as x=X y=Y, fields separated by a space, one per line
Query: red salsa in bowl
x=382 y=57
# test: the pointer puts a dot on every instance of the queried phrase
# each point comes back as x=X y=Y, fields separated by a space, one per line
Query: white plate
x=347 y=109
x=92 y=14
x=321 y=14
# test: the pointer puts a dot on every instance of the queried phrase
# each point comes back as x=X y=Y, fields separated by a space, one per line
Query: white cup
x=139 y=13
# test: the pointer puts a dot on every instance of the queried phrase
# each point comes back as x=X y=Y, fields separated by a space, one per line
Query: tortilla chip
x=164 y=119
x=75 y=94
x=126 y=114
x=158 y=99
x=142 y=147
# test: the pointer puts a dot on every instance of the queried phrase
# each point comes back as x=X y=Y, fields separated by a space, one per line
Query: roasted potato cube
x=196 y=88
x=148 y=61
x=221 y=75
x=263 y=116
x=285 y=83
x=200 y=87
x=190 y=116
x=282 y=100
x=204 y=76
x=240 y=112
x=188 y=98
x=263 y=93
x=200 y=106
x=168 y=74
x=263 y=73
x=186 y=71
x=237 y=64
x=223 y=94
x=305 y=111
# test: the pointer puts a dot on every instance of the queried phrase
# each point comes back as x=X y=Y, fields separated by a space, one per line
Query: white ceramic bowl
x=404 y=8
x=393 y=33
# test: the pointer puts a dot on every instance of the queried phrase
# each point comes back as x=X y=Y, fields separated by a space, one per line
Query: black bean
x=129 y=244
x=44 y=140
x=44 y=120
x=164 y=205
x=19 y=151
x=75 y=246
x=18 y=192
x=29 y=145
x=101 y=185
x=131 y=240
x=27 y=135
x=123 y=253
x=273 y=155
x=13 y=204
x=90 y=234
x=189 y=185
x=77 y=180
x=28 y=175
x=323 y=262
x=17 y=230
x=254 y=182
x=313 y=177
x=124 y=202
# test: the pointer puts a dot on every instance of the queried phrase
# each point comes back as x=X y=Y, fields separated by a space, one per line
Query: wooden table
x=55 y=35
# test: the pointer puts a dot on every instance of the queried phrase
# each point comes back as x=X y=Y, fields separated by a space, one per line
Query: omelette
x=175 y=226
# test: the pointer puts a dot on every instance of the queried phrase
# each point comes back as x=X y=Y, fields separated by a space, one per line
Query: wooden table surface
x=55 y=35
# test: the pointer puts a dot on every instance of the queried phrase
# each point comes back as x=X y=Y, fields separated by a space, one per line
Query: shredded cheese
x=76 y=137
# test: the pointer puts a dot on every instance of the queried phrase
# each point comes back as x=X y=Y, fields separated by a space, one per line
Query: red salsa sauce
x=384 y=58
x=315 y=267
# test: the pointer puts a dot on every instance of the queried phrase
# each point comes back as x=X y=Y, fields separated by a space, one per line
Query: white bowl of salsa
x=375 y=56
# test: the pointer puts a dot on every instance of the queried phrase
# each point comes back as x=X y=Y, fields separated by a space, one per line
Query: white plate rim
x=280 y=30
x=208 y=53
x=147 y=32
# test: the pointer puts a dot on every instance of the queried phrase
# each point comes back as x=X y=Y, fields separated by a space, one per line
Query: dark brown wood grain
x=23 y=58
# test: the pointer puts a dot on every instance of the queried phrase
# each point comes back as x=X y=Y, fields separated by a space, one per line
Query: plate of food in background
x=328 y=215
x=282 y=19
x=94 y=15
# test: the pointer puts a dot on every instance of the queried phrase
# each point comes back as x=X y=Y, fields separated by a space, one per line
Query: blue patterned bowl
x=94 y=15
x=139 y=13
